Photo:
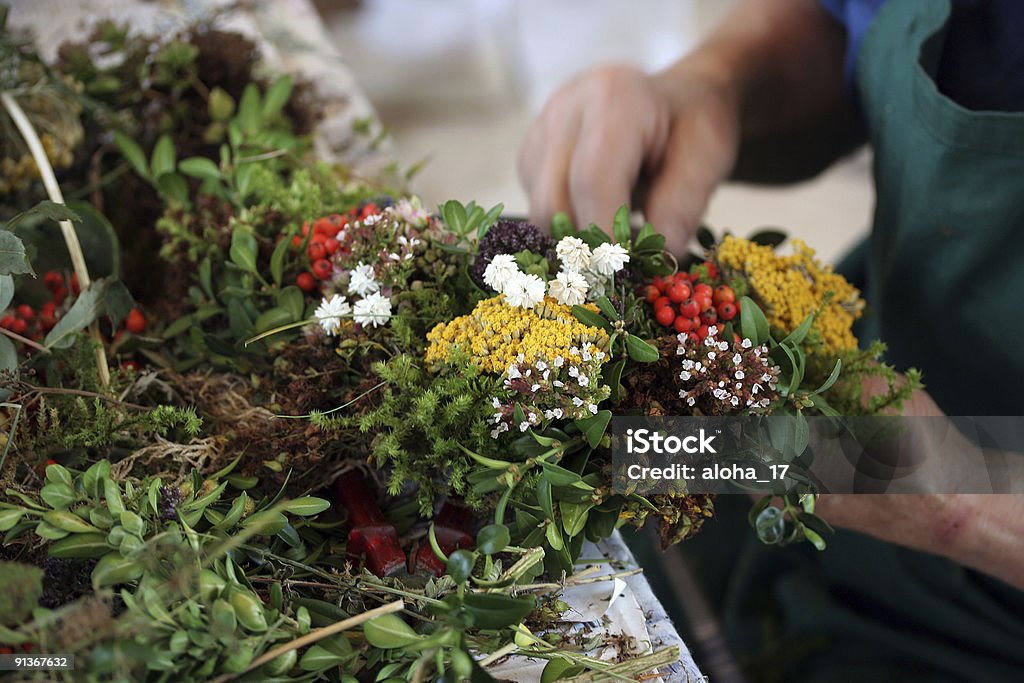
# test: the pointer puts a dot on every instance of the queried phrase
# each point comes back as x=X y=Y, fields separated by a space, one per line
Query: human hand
x=609 y=129
x=984 y=531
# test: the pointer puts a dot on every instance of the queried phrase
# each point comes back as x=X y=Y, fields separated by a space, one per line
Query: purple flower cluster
x=170 y=498
x=509 y=237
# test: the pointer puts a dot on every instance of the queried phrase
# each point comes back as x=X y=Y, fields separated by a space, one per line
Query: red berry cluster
x=324 y=243
x=689 y=306
x=27 y=321
x=35 y=324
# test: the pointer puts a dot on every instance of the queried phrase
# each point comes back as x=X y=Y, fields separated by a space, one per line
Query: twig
x=24 y=340
x=28 y=132
x=573 y=581
x=314 y=636
x=87 y=394
x=498 y=654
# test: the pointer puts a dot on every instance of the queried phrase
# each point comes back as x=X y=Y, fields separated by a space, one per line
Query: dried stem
x=314 y=636
x=28 y=132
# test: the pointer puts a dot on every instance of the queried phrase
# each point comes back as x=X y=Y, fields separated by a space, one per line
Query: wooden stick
x=35 y=146
x=314 y=636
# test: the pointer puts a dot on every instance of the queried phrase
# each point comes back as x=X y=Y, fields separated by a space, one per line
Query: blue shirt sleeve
x=855 y=16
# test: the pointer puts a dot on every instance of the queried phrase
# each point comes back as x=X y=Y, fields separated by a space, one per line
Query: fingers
x=621 y=127
x=544 y=161
x=584 y=152
x=699 y=155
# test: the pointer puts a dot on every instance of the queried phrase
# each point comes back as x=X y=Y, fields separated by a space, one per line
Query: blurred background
x=456 y=82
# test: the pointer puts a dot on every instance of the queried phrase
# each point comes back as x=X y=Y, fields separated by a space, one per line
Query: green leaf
x=797 y=336
x=97 y=299
x=13 y=260
x=561 y=225
x=8 y=358
x=816 y=523
x=221 y=105
x=591 y=319
x=271 y=319
x=497 y=610
x=388 y=632
x=292 y=300
x=593 y=427
x=554 y=537
x=460 y=565
x=544 y=497
x=613 y=377
x=574 y=516
x=650 y=244
x=132 y=153
x=454 y=214
x=705 y=237
x=164 y=159
x=68 y=521
x=489 y=219
x=605 y=304
x=6 y=291
x=80 y=546
x=277 y=96
x=319 y=658
x=492 y=539
x=113 y=569
x=558 y=475
x=753 y=324
x=200 y=167
x=815 y=538
x=244 y=249
x=58 y=474
x=44 y=209
x=174 y=188
x=57 y=496
x=641 y=351
x=620 y=226
x=827 y=384
x=95 y=234
x=277 y=260
x=9 y=517
x=250 y=109
x=559 y=669
x=768 y=237
x=267 y=522
x=306 y=506
x=112 y=494
x=243 y=180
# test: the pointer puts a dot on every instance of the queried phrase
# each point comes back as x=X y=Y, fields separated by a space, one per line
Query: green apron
x=945 y=261
x=945 y=275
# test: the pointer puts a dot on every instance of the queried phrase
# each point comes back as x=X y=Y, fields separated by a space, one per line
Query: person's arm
x=981 y=531
x=773 y=66
x=984 y=531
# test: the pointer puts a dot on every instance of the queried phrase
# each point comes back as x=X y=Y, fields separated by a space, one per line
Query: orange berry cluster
x=326 y=240
x=690 y=306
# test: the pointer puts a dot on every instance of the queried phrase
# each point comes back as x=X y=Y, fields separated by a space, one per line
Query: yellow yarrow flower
x=789 y=288
x=495 y=334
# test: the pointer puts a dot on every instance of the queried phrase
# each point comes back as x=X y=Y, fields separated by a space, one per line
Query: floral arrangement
x=346 y=436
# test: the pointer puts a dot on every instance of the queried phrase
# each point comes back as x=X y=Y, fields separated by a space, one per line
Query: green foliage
x=191 y=607
x=421 y=422
x=21 y=586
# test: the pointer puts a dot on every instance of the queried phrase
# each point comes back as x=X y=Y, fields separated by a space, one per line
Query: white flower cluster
x=372 y=309
x=584 y=273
